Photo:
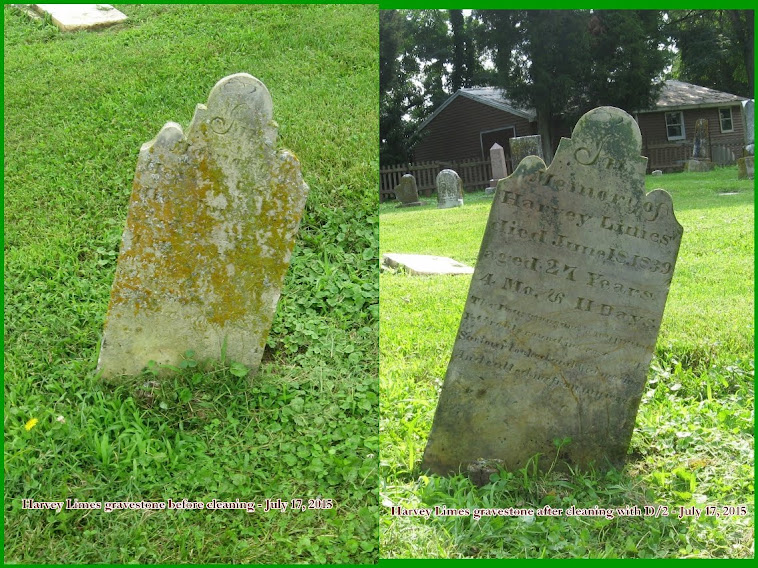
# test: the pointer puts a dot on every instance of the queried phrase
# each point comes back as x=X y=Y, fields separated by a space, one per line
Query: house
x=668 y=130
x=468 y=123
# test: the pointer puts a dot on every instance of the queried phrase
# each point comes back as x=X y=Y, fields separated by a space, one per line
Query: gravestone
x=523 y=146
x=749 y=117
x=563 y=309
x=701 y=145
x=746 y=167
x=499 y=167
x=406 y=192
x=449 y=190
x=211 y=225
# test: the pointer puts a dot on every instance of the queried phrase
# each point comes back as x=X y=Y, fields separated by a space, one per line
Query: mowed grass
x=693 y=442
x=78 y=106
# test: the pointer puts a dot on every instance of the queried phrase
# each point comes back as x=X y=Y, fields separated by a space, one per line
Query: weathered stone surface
x=563 y=310
x=498 y=164
x=746 y=167
x=72 y=17
x=211 y=225
x=406 y=192
x=425 y=265
x=698 y=166
x=748 y=112
x=701 y=144
x=449 y=190
x=523 y=146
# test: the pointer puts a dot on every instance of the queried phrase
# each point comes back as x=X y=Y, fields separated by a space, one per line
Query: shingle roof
x=491 y=96
x=675 y=95
x=678 y=95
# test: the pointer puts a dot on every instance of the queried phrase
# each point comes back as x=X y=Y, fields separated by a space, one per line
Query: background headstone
x=209 y=233
x=746 y=167
x=499 y=167
x=748 y=112
x=701 y=144
x=449 y=190
x=406 y=192
x=523 y=146
x=563 y=310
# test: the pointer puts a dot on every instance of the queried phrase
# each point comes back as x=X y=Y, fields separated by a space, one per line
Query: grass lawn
x=77 y=108
x=693 y=441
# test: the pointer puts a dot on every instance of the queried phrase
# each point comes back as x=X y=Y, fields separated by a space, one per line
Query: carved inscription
x=563 y=309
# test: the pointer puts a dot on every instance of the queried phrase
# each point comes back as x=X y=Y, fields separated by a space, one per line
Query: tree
x=715 y=48
x=425 y=56
x=563 y=63
x=398 y=96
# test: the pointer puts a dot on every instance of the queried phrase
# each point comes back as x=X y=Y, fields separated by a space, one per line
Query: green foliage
x=715 y=48
x=693 y=441
x=425 y=56
x=563 y=63
x=77 y=108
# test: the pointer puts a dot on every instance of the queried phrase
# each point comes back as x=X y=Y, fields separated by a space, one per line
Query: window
x=725 y=117
x=674 y=126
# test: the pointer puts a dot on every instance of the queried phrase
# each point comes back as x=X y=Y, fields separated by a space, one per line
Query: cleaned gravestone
x=406 y=192
x=72 y=17
x=523 y=146
x=499 y=167
x=211 y=225
x=449 y=190
x=563 y=309
x=426 y=265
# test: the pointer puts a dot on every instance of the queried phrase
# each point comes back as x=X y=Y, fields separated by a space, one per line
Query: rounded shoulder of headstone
x=448 y=173
x=241 y=90
x=529 y=165
x=170 y=134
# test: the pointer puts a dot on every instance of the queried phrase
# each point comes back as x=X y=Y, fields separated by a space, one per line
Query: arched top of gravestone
x=608 y=131
x=603 y=155
x=239 y=106
x=239 y=97
x=448 y=174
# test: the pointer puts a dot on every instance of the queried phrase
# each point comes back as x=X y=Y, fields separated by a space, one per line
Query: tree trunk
x=544 y=119
x=743 y=24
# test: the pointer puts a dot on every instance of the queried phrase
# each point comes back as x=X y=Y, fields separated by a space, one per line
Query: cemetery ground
x=78 y=106
x=693 y=441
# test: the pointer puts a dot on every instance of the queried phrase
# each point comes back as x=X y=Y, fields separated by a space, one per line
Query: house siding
x=653 y=126
x=454 y=132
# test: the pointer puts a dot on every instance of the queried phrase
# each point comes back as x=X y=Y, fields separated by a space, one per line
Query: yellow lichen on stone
x=209 y=233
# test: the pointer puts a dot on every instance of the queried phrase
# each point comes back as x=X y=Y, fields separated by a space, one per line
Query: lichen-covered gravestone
x=449 y=189
x=406 y=192
x=211 y=225
x=523 y=146
x=563 y=310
